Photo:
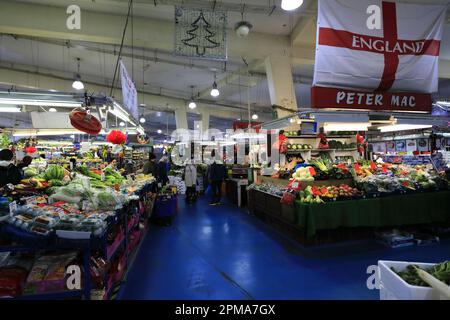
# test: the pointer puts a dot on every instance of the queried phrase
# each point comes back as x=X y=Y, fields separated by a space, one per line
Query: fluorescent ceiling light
x=52 y=110
x=349 y=126
x=43 y=103
x=401 y=127
x=290 y=5
x=443 y=103
x=248 y=135
x=10 y=109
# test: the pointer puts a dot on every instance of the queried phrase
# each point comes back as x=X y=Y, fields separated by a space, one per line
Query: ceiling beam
x=232 y=76
x=33 y=80
x=50 y=22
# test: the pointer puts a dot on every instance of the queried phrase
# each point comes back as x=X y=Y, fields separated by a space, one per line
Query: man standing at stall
x=217 y=176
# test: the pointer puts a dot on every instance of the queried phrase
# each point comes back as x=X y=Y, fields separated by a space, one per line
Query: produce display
x=335 y=144
x=304 y=174
x=440 y=271
x=313 y=194
x=298 y=146
x=268 y=188
x=79 y=201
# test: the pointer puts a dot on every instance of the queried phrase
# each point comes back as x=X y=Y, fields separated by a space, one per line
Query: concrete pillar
x=205 y=121
x=181 y=118
x=281 y=83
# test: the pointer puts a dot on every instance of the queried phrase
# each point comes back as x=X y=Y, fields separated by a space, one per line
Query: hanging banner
x=129 y=93
x=378 y=46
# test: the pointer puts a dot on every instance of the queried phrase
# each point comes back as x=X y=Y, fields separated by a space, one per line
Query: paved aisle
x=220 y=252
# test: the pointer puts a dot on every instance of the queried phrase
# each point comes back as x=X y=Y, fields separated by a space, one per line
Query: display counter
x=344 y=220
x=236 y=191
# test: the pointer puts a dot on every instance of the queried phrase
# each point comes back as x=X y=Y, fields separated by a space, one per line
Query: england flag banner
x=377 y=55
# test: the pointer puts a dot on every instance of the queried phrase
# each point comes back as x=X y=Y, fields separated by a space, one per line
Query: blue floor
x=221 y=252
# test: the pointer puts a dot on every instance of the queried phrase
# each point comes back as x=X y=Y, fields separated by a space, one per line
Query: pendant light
x=142 y=119
x=255 y=116
x=77 y=84
x=214 y=91
x=192 y=105
x=290 y=5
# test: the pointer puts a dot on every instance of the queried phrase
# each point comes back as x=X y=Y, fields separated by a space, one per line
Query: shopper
x=190 y=179
x=129 y=167
x=217 y=176
x=26 y=161
x=150 y=166
x=162 y=171
x=9 y=173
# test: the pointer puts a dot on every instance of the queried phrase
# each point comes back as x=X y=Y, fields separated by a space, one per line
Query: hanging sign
x=201 y=33
x=129 y=93
x=398 y=54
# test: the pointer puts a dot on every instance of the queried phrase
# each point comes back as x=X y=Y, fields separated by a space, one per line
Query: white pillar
x=281 y=83
x=181 y=118
x=205 y=121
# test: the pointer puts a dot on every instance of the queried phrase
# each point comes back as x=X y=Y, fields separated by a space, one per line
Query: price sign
x=12 y=207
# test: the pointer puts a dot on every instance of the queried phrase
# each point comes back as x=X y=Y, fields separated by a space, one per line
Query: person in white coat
x=190 y=179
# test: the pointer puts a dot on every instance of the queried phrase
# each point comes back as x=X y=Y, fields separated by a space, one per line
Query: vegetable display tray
x=393 y=287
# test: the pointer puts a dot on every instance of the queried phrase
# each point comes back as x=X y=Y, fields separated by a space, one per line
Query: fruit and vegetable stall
x=90 y=217
x=322 y=199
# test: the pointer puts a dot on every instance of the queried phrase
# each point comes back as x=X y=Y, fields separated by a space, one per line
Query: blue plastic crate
x=165 y=207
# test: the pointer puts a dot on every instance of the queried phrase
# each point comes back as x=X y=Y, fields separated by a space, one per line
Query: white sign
x=411 y=145
x=129 y=93
x=354 y=53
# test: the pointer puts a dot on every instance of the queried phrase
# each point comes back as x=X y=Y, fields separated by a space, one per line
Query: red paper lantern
x=116 y=137
x=30 y=150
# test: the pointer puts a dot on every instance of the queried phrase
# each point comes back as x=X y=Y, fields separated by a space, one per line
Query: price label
x=12 y=207
x=103 y=178
x=295 y=184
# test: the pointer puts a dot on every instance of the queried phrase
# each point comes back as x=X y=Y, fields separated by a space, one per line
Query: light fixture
x=343 y=126
x=159 y=131
x=77 y=84
x=402 y=127
x=142 y=119
x=291 y=120
x=242 y=28
x=214 y=91
x=158 y=114
x=192 y=105
x=52 y=110
x=290 y=5
x=10 y=109
x=165 y=141
x=41 y=103
x=122 y=124
x=255 y=116
x=72 y=136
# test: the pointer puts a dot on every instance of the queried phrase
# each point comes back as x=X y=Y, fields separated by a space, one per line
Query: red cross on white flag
x=399 y=56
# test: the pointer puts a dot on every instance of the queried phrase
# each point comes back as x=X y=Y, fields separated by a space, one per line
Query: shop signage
x=400 y=56
x=129 y=93
x=322 y=97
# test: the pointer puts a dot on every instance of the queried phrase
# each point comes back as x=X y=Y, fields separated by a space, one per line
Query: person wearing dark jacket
x=9 y=173
x=150 y=167
x=217 y=175
x=162 y=171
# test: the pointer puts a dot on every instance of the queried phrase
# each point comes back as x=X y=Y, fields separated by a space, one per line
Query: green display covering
x=396 y=210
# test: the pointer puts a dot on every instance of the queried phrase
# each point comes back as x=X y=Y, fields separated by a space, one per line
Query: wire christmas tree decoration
x=197 y=40
x=200 y=33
